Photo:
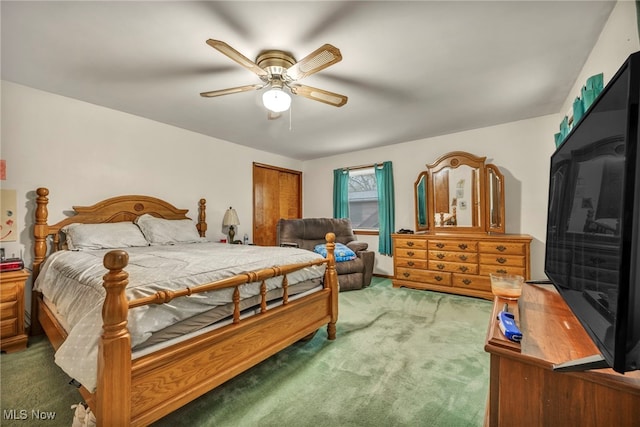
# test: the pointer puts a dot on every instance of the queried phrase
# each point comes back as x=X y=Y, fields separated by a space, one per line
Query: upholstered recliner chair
x=306 y=233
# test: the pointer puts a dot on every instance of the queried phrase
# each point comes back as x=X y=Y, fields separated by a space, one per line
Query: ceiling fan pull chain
x=290 y=120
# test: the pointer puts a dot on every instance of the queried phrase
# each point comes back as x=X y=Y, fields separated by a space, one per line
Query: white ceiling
x=411 y=70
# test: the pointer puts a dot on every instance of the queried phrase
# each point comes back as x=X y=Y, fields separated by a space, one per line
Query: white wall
x=520 y=149
x=85 y=153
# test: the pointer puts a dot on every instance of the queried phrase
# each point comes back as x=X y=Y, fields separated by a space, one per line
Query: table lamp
x=230 y=219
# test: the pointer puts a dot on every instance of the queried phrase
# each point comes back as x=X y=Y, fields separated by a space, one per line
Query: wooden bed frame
x=141 y=391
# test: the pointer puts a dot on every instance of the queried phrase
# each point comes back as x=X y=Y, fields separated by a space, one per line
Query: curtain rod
x=362 y=166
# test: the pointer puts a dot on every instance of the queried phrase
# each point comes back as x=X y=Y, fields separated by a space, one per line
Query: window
x=363 y=199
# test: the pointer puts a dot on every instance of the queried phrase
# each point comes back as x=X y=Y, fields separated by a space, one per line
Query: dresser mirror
x=459 y=192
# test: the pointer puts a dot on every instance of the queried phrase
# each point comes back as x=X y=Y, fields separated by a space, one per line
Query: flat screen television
x=592 y=253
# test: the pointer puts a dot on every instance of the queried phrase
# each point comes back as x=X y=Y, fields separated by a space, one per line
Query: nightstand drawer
x=9 y=292
x=8 y=328
x=12 y=284
x=9 y=310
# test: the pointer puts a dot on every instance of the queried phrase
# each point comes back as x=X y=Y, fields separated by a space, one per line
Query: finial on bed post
x=113 y=394
x=202 y=218
x=331 y=276
x=40 y=230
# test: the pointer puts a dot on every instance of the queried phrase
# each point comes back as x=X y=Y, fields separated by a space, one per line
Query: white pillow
x=159 y=231
x=103 y=236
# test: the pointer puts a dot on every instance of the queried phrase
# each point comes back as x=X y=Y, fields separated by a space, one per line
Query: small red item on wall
x=3 y=170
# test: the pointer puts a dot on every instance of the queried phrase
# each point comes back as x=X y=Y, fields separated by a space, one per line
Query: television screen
x=592 y=226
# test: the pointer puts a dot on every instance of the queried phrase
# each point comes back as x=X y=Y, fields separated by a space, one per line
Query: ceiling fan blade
x=321 y=95
x=227 y=50
x=231 y=90
x=317 y=60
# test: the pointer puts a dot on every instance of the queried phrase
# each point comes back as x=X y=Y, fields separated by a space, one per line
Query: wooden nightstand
x=12 y=334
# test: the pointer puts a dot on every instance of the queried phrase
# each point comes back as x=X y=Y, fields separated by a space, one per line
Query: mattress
x=72 y=282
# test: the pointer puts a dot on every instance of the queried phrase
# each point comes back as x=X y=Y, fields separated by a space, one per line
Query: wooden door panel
x=277 y=193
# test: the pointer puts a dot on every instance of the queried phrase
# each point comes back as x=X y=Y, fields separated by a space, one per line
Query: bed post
x=202 y=218
x=113 y=392
x=332 y=279
x=40 y=229
x=40 y=232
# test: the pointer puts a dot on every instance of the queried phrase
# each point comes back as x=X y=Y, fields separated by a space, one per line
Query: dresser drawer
x=424 y=276
x=507 y=248
x=485 y=270
x=453 y=256
x=467 y=281
x=453 y=267
x=453 y=245
x=8 y=310
x=411 y=263
x=411 y=253
x=410 y=243
x=8 y=292
x=506 y=260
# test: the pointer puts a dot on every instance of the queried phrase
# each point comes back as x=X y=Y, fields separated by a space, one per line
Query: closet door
x=277 y=193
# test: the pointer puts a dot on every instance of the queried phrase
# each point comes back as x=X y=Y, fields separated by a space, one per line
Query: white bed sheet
x=72 y=280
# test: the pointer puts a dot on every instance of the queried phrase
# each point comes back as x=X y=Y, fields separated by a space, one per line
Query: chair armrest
x=289 y=245
x=357 y=246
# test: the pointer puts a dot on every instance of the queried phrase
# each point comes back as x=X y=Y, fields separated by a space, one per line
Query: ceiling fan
x=279 y=70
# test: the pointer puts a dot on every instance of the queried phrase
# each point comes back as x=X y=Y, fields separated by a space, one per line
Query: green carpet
x=402 y=358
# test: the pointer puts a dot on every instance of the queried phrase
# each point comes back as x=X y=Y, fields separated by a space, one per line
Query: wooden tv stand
x=525 y=391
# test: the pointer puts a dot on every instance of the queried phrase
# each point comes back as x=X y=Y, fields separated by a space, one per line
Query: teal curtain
x=386 y=207
x=341 y=193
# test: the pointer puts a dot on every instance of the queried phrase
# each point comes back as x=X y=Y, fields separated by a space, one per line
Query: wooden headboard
x=115 y=209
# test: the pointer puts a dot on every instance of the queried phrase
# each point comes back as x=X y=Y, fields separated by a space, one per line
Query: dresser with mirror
x=460 y=230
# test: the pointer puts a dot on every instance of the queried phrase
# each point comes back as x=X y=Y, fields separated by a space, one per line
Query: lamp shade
x=276 y=100
x=230 y=217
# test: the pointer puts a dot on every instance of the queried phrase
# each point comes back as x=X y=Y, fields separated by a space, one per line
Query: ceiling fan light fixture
x=276 y=100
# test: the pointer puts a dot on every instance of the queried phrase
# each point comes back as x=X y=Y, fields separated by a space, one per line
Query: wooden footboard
x=141 y=391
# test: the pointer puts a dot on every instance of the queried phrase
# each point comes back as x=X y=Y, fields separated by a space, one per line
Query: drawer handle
x=463 y=246
x=463 y=257
x=411 y=263
x=440 y=256
x=438 y=278
x=405 y=274
x=463 y=269
x=440 y=245
x=501 y=248
x=440 y=266
x=410 y=244
x=411 y=253
x=466 y=281
x=501 y=260
x=501 y=271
